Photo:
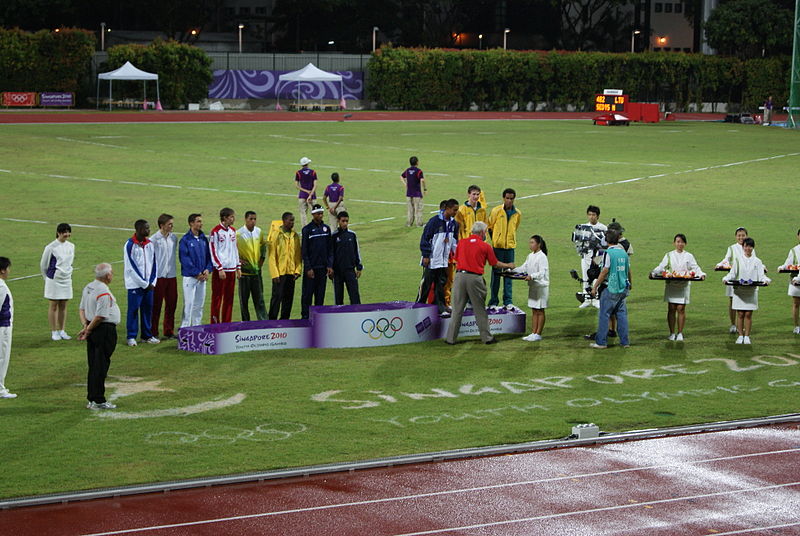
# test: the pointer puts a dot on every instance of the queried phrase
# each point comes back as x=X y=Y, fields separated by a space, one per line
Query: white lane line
x=745 y=531
x=596 y=510
x=444 y=493
x=695 y=170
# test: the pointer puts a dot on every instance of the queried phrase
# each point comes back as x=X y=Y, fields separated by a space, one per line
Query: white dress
x=678 y=290
x=792 y=258
x=745 y=298
x=56 y=267
x=734 y=251
x=537 y=266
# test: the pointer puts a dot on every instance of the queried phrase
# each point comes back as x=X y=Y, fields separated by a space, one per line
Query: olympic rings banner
x=19 y=98
x=340 y=326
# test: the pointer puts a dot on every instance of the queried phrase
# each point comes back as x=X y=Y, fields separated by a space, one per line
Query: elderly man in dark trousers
x=100 y=315
x=472 y=254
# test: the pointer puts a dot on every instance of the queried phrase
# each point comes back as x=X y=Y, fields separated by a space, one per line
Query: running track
x=723 y=483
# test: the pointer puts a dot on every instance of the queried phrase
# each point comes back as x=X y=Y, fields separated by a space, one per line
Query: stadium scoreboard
x=611 y=100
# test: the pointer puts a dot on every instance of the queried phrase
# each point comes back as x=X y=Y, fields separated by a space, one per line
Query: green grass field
x=700 y=179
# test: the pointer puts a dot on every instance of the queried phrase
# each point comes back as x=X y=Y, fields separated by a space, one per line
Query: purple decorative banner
x=56 y=99
x=265 y=85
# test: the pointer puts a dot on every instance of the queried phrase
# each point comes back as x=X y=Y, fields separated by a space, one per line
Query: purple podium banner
x=340 y=326
x=60 y=99
x=230 y=84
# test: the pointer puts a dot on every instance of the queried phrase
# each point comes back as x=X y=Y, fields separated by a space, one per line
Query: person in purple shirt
x=333 y=198
x=414 y=181
x=306 y=181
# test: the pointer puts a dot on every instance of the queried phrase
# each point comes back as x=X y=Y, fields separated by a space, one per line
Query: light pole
x=102 y=36
x=241 y=27
x=505 y=38
x=633 y=37
x=374 y=37
x=480 y=41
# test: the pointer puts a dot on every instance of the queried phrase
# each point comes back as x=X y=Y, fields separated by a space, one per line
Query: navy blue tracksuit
x=346 y=261
x=317 y=251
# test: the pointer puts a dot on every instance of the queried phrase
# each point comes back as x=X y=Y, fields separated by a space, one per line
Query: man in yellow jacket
x=285 y=266
x=471 y=211
x=503 y=224
x=251 y=242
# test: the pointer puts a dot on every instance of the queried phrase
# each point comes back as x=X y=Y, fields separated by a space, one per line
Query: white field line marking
x=71 y=140
x=695 y=170
x=596 y=510
x=745 y=531
x=176 y=187
x=450 y=492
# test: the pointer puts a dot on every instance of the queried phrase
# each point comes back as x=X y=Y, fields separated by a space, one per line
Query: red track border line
x=84 y=116
x=457 y=454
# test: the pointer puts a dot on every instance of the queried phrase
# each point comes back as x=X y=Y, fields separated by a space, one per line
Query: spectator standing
x=285 y=266
x=588 y=238
x=333 y=199
x=503 y=222
x=437 y=245
x=472 y=255
x=347 y=265
x=305 y=179
x=414 y=181
x=196 y=266
x=616 y=269
x=56 y=267
x=139 y=256
x=166 y=292
x=6 y=325
x=317 y=252
x=227 y=269
x=99 y=315
x=251 y=242
x=768 y=104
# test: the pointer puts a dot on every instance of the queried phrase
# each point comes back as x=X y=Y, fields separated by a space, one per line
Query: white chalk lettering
x=469 y=389
x=437 y=393
x=327 y=396
x=644 y=374
x=783 y=383
x=774 y=360
x=681 y=369
x=730 y=363
x=583 y=403
x=600 y=378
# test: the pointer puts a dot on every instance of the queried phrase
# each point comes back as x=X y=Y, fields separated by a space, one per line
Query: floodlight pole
x=480 y=41
x=374 y=37
x=241 y=26
x=794 y=87
x=633 y=37
x=505 y=38
x=102 y=36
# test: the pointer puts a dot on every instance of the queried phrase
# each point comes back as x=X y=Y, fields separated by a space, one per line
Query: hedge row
x=45 y=60
x=437 y=79
x=184 y=71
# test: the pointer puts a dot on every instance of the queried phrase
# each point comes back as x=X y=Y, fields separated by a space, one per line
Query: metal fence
x=288 y=62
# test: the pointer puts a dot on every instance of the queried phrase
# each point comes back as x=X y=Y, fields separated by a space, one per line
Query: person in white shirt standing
x=6 y=323
x=537 y=269
x=139 y=257
x=588 y=238
x=793 y=259
x=196 y=268
x=746 y=269
x=166 y=291
x=227 y=268
x=56 y=267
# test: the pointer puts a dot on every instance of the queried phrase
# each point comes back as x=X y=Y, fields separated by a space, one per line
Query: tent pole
x=97 y=98
x=109 y=94
x=144 y=84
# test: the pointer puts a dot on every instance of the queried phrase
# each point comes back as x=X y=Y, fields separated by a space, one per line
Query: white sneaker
x=596 y=304
x=8 y=395
x=733 y=329
x=796 y=330
x=152 y=340
x=63 y=335
x=103 y=405
x=55 y=335
x=511 y=308
x=671 y=337
x=131 y=342
x=537 y=337
x=740 y=340
x=585 y=304
x=746 y=340
x=529 y=338
x=679 y=337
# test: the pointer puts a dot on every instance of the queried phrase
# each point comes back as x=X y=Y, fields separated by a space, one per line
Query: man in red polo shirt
x=472 y=254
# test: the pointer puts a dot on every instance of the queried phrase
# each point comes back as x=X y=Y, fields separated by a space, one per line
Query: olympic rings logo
x=382 y=327
x=19 y=97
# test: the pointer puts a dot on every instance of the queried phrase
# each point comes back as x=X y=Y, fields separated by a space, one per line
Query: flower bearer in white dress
x=733 y=251
x=792 y=265
x=56 y=267
x=678 y=267
x=746 y=270
x=538 y=270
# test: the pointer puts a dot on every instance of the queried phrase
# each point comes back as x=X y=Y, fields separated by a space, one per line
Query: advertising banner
x=245 y=336
x=19 y=98
x=503 y=322
x=58 y=99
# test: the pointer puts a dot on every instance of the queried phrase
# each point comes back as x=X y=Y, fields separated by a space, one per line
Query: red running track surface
x=722 y=483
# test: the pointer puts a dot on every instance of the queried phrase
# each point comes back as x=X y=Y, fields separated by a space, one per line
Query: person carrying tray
x=791 y=266
x=748 y=271
x=537 y=268
x=677 y=267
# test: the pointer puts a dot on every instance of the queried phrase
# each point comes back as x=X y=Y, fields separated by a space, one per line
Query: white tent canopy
x=127 y=72
x=311 y=73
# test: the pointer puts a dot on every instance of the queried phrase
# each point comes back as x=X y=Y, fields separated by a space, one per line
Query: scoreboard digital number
x=610 y=103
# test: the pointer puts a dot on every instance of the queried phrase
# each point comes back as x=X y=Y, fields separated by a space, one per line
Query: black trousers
x=252 y=285
x=436 y=277
x=313 y=288
x=282 y=297
x=340 y=280
x=100 y=344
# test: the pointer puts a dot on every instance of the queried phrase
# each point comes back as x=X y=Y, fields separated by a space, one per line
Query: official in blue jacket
x=317 y=251
x=347 y=265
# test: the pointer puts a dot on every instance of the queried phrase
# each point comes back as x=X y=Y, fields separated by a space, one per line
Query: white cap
x=305 y=161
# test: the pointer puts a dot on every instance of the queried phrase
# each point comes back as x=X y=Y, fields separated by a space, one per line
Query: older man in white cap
x=306 y=181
